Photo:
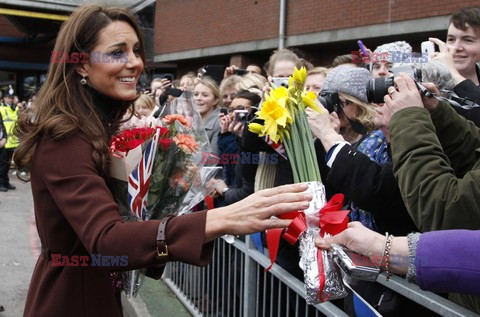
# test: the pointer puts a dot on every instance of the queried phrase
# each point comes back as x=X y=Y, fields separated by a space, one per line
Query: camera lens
x=330 y=100
x=377 y=88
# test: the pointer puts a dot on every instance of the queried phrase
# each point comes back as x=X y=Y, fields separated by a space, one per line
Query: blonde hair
x=251 y=80
x=366 y=111
x=230 y=82
x=318 y=70
x=145 y=100
x=212 y=85
x=191 y=79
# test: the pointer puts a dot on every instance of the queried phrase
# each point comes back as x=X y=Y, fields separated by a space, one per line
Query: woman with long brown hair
x=65 y=147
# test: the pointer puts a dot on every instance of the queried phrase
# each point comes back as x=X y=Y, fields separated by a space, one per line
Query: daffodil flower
x=309 y=99
x=298 y=77
x=256 y=128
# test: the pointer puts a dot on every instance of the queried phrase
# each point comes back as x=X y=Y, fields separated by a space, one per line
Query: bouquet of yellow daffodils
x=285 y=122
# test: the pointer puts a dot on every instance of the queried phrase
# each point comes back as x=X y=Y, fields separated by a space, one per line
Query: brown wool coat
x=77 y=215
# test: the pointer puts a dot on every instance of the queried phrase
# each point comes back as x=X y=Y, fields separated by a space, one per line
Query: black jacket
x=372 y=187
x=467 y=89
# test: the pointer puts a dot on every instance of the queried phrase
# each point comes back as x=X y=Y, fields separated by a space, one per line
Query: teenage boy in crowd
x=461 y=52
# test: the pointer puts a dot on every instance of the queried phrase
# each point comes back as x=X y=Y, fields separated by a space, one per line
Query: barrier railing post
x=250 y=281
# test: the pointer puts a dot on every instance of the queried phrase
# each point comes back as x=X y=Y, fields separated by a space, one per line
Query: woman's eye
x=116 y=53
x=137 y=51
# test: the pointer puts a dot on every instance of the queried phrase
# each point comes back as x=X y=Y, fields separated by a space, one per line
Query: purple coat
x=449 y=261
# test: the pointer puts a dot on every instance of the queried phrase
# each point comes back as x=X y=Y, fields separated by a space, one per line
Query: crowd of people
x=407 y=166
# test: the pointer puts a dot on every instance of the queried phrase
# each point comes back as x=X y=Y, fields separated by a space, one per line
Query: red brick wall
x=190 y=24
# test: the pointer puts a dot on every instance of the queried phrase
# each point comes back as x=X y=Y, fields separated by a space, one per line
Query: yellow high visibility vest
x=9 y=118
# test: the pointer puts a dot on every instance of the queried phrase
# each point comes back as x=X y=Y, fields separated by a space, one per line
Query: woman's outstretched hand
x=254 y=213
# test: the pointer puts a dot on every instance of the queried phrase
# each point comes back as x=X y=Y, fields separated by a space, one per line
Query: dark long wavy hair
x=63 y=106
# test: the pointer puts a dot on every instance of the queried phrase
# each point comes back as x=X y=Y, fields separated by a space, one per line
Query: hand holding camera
x=239 y=120
x=406 y=94
x=224 y=120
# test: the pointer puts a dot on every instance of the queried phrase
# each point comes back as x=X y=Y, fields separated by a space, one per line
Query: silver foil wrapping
x=333 y=287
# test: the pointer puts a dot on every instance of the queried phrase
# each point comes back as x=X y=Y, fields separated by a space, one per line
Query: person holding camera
x=235 y=187
x=363 y=172
x=435 y=162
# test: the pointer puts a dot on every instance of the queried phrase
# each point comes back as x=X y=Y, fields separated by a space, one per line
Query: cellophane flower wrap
x=285 y=122
x=157 y=171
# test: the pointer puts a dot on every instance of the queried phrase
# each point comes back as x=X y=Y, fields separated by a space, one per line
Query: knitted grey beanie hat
x=349 y=80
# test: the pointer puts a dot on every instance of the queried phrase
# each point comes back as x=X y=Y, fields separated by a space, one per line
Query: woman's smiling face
x=205 y=100
x=116 y=73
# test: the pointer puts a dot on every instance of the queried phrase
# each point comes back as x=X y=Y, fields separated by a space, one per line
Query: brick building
x=182 y=35
x=191 y=33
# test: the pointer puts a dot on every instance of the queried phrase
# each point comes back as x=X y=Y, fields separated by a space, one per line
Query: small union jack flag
x=278 y=147
x=139 y=179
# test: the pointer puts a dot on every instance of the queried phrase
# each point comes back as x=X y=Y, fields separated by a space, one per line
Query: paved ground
x=19 y=249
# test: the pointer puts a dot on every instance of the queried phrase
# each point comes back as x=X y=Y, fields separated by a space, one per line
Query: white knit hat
x=397 y=51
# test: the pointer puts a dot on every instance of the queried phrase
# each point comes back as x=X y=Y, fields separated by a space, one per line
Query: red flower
x=164 y=132
x=130 y=139
x=165 y=143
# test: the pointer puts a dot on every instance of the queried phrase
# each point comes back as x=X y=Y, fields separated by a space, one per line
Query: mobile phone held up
x=363 y=49
x=165 y=75
x=175 y=92
x=428 y=48
x=215 y=72
x=240 y=72
x=355 y=265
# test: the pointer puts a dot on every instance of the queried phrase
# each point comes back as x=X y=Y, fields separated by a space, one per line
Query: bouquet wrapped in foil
x=323 y=280
x=285 y=123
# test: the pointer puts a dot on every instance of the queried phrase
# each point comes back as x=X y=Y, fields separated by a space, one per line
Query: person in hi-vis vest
x=9 y=114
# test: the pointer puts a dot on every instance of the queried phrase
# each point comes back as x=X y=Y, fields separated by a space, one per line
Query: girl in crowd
x=78 y=109
x=207 y=98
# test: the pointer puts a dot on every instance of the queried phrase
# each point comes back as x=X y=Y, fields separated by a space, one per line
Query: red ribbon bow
x=333 y=220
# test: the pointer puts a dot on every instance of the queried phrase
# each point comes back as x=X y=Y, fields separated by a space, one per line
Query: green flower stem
x=313 y=162
x=298 y=144
x=287 y=144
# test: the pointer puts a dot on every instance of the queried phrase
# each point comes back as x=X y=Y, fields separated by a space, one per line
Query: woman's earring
x=83 y=81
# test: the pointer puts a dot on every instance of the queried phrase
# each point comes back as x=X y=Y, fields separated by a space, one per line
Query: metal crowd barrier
x=236 y=284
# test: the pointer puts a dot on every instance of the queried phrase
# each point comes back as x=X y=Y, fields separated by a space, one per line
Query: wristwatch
x=224 y=191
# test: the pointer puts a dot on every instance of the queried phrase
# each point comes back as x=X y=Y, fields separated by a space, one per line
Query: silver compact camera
x=355 y=265
x=280 y=81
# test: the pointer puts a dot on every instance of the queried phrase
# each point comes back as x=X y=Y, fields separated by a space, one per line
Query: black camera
x=330 y=100
x=377 y=88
